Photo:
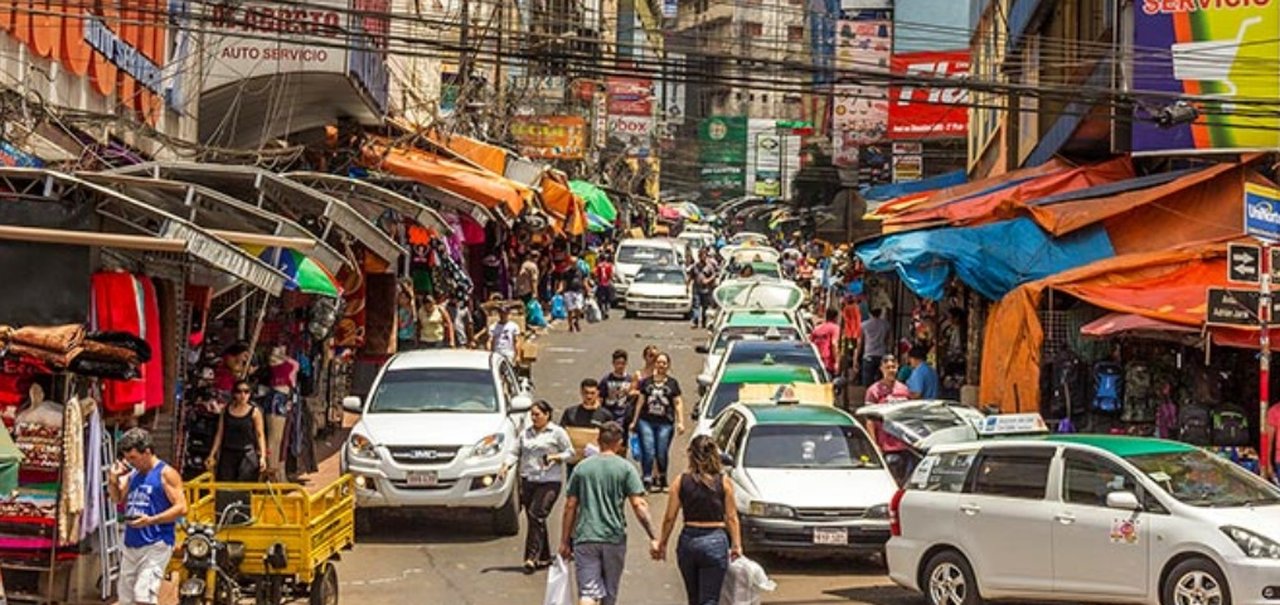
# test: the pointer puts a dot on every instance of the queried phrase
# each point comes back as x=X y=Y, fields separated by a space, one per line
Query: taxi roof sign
x=1012 y=424
x=799 y=392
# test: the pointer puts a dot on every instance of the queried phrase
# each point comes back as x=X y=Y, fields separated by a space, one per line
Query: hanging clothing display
x=118 y=306
x=72 y=499
x=152 y=370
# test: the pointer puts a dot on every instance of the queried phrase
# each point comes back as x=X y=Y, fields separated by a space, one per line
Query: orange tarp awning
x=487 y=156
x=928 y=200
x=1009 y=202
x=490 y=190
x=565 y=207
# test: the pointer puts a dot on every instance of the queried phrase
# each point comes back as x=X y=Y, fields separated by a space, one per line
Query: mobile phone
x=131 y=517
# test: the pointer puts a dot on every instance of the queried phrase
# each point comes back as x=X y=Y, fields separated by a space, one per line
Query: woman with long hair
x=650 y=356
x=543 y=450
x=239 y=452
x=659 y=413
x=711 y=536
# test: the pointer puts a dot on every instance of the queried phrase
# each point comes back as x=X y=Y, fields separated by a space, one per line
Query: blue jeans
x=655 y=440
x=703 y=557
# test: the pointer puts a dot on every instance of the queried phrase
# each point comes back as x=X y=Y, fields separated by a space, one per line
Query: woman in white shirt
x=543 y=449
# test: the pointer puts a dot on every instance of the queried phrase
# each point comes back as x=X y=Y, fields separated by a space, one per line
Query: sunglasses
x=242 y=390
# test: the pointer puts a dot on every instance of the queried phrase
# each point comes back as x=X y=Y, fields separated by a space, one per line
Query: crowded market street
x=456 y=559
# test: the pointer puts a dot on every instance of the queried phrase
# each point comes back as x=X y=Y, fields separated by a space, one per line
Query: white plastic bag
x=592 y=311
x=560 y=587
x=743 y=583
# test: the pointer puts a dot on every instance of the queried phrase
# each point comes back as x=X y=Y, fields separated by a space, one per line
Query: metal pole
x=1264 y=359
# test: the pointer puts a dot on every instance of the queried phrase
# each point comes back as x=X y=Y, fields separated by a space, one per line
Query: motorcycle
x=211 y=568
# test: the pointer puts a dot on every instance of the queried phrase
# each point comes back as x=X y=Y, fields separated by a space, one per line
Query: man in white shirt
x=504 y=336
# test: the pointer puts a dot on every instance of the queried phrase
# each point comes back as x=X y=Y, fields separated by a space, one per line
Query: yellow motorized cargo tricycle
x=262 y=541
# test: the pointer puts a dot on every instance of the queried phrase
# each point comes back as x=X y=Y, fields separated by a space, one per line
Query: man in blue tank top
x=151 y=492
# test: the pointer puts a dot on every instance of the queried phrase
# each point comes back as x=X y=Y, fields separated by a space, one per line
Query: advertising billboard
x=723 y=140
x=630 y=96
x=864 y=45
x=551 y=137
x=258 y=38
x=1224 y=53
x=860 y=113
x=925 y=111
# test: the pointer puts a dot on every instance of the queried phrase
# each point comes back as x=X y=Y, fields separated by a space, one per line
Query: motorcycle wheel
x=270 y=591
x=324 y=586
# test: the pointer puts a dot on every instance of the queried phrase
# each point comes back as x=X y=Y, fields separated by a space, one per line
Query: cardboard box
x=528 y=351
x=580 y=437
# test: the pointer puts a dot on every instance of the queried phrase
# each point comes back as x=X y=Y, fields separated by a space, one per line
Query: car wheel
x=506 y=519
x=948 y=580
x=1195 y=582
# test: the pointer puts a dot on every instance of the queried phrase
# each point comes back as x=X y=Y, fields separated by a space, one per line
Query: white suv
x=1085 y=518
x=434 y=433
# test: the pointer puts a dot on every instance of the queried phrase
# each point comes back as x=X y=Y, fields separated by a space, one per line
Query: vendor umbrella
x=304 y=274
x=596 y=199
x=597 y=224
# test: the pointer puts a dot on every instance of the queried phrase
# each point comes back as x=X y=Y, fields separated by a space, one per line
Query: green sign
x=722 y=182
x=723 y=140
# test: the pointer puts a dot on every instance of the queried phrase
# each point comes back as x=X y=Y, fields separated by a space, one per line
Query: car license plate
x=423 y=479
x=837 y=536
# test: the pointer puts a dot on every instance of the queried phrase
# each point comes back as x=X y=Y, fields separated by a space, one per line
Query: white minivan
x=434 y=432
x=1085 y=518
x=636 y=253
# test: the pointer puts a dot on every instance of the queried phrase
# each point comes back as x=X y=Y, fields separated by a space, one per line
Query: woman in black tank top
x=239 y=447
x=710 y=537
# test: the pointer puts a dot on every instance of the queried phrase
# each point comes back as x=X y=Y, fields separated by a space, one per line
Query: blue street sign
x=1262 y=212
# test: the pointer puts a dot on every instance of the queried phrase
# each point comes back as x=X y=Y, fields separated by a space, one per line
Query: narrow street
x=454 y=559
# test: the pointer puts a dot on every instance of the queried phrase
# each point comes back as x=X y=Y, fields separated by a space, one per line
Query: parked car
x=660 y=290
x=808 y=479
x=1085 y=518
x=729 y=381
x=793 y=352
x=434 y=432
x=745 y=326
x=636 y=253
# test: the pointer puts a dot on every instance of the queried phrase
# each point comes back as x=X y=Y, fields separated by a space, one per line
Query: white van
x=636 y=253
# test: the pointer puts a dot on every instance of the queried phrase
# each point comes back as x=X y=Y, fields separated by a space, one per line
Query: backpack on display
x=1139 y=394
x=1195 y=424
x=1230 y=427
x=1108 y=380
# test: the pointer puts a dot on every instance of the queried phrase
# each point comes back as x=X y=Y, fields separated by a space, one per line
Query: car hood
x=643 y=289
x=628 y=269
x=823 y=488
x=1262 y=520
x=429 y=428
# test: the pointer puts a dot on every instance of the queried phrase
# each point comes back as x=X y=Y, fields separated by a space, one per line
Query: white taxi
x=1085 y=518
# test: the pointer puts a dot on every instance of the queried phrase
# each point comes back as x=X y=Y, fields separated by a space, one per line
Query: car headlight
x=879 y=511
x=1253 y=545
x=769 y=509
x=489 y=446
x=197 y=546
x=361 y=447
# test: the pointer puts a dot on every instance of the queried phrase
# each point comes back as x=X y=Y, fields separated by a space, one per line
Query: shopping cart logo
x=1210 y=61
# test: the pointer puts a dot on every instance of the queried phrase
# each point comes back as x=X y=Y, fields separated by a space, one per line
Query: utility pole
x=464 y=39
x=498 y=87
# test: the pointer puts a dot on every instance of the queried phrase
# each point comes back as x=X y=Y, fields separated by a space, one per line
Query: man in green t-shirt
x=594 y=532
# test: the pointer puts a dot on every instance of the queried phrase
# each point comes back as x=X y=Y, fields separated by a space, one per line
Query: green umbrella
x=597 y=201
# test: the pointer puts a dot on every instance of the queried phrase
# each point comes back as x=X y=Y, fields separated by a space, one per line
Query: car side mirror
x=704 y=379
x=352 y=404
x=1123 y=501
x=726 y=459
x=702 y=349
x=520 y=404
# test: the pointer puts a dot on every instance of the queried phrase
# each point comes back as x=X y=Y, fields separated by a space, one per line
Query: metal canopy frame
x=332 y=217
x=212 y=209
x=359 y=193
x=41 y=185
x=437 y=198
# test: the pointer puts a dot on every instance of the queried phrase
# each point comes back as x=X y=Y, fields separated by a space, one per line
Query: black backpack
x=1195 y=424
x=1230 y=427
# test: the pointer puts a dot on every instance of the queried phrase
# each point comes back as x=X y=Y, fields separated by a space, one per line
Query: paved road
x=453 y=559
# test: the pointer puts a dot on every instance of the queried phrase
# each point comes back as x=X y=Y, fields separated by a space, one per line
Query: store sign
x=921 y=111
x=630 y=126
x=723 y=140
x=551 y=137
x=1212 y=50
x=860 y=112
x=1229 y=307
x=1244 y=263
x=864 y=46
x=257 y=38
x=908 y=161
x=12 y=157
x=630 y=96
x=1262 y=212
x=768 y=165
x=720 y=182
x=122 y=52
x=600 y=124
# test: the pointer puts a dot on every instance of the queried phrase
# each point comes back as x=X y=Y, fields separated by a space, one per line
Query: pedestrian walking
x=704 y=283
x=923 y=382
x=594 y=527
x=573 y=288
x=889 y=390
x=615 y=391
x=650 y=356
x=435 y=328
x=589 y=414
x=604 y=284
x=528 y=277
x=239 y=452
x=826 y=338
x=711 y=536
x=151 y=493
x=504 y=336
x=406 y=320
x=543 y=450
x=659 y=411
x=873 y=347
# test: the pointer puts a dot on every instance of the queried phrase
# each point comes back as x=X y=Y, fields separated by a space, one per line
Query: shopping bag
x=635 y=446
x=559 y=584
x=743 y=583
x=593 y=311
x=558 y=309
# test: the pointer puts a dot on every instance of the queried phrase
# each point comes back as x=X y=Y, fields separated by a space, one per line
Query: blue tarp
x=880 y=193
x=992 y=259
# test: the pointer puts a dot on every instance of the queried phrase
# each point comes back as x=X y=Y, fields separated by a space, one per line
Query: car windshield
x=809 y=446
x=435 y=390
x=1200 y=479
x=787 y=355
x=652 y=275
x=728 y=335
x=646 y=255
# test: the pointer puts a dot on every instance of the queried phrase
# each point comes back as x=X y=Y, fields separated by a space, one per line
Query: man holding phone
x=151 y=492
